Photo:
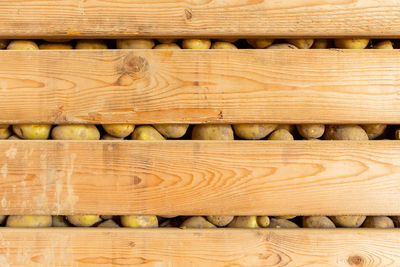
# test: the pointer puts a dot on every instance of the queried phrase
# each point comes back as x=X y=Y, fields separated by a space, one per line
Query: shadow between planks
x=171 y=18
x=200 y=177
x=214 y=86
x=199 y=247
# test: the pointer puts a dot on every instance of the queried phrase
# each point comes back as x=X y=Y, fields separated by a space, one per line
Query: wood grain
x=222 y=247
x=324 y=86
x=200 y=177
x=185 y=18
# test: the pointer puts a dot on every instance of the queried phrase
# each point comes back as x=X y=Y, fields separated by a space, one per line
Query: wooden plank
x=169 y=18
x=204 y=247
x=200 y=177
x=282 y=86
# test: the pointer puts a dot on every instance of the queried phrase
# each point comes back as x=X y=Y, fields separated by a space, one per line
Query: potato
x=348 y=221
x=212 y=132
x=287 y=217
x=2 y=219
x=83 y=220
x=14 y=137
x=263 y=221
x=59 y=221
x=301 y=43
x=108 y=224
x=353 y=43
x=146 y=132
x=34 y=221
x=260 y=43
x=167 y=41
x=3 y=43
x=139 y=221
x=322 y=44
x=196 y=44
x=55 y=46
x=119 y=130
x=311 y=131
x=75 y=132
x=396 y=220
x=345 y=132
x=288 y=127
x=197 y=222
x=374 y=130
x=167 y=46
x=106 y=217
x=135 y=44
x=5 y=133
x=281 y=134
x=90 y=44
x=253 y=131
x=282 y=46
x=378 y=222
x=172 y=130
x=22 y=45
x=223 y=45
x=220 y=220
x=32 y=131
x=281 y=223
x=317 y=222
x=384 y=45
x=244 y=222
x=110 y=137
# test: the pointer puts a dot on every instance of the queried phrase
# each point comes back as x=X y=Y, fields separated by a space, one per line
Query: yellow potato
x=281 y=134
x=22 y=45
x=108 y=224
x=212 y=132
x=5 y=133
x=33 y=221
x=244 y=222
x=353 y=43
x=301 y=43
x=172 y=130
x=223 y=45
x=75 y=132
x=282 y=46
x=322 y=44
x=287 y=217
x=260 y=43
x=282 y=223
x=110 y=137
x=220 y=220
x=263 y=221
x=196 y=44
x=32 y=131
x=119 y=130
x=83 y=220
x=197 y=222
x=146 y=132
x=317 y=222
x=139 y=221
x=3 y=43
x=135 y=44
x=253 y=131
x=384 y=45
x=374 y=130
x=167 y=46
x=59 y=221
x=378 y=222
x=55 y=46
x=2 y=219
x=311 y=131
x=90 y=44
x=345 y=132
x=348 y=221
x=167 y=41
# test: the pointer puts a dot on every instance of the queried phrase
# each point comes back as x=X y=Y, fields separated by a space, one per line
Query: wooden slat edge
x=219 y=247
x=200 y=177
x=137 y=86
x=171 y=18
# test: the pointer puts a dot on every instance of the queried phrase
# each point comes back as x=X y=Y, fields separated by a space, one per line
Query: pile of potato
x=199 y=132
x=36 y=221
x=354 y=43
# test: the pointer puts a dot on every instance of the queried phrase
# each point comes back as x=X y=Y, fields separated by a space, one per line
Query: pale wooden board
x=215 y=247
x=327 y=86
x=152 y=18
x=200 y=177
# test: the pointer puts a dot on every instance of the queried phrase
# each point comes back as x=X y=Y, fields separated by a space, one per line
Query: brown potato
x=353 y=43
x=167 y=46
x=345 y=132
x=90 y=44
x=348 y=221
x=311 y=131
x=374 y=130
x=223 y=45
x=220 y=220
x=135 y=44
x=378 y=222
x=212 y=132
x=119 y=130
x=244 y=222
x=172 y=130
x=281 y=134
x=75 y=132
x=108 y=224
x=196 y=44
x=301 y=43
x=33 y=221
x=263 y=221
x=253 y=131
x=197 y=222
x=22 y=45
x=146 y=132
x=282 y=46
x=317 y=222
x=260 y=43
x=322 y=44
x=282 y=223
x=387 y=44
